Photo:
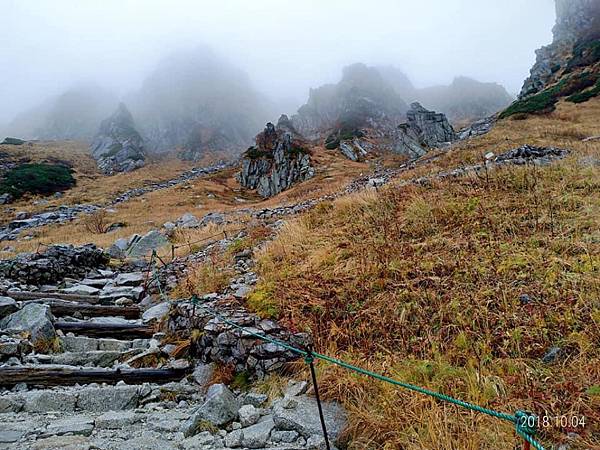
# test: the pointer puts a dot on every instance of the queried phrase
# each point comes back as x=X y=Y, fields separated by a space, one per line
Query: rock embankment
x=53 y=264
x=279 y=159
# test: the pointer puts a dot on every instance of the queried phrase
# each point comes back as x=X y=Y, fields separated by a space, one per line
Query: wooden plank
x=61 y=308
x=62 y=376
x=116 y=331
x=22 y=295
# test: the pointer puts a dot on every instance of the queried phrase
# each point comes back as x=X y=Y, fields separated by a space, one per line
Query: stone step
x=96 y=358
x=71 y=343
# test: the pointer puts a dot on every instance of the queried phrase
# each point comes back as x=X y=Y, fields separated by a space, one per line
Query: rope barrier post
x=525 y=426
x=310 y=360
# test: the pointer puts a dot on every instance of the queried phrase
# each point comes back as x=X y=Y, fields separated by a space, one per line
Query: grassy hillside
x=461 y=286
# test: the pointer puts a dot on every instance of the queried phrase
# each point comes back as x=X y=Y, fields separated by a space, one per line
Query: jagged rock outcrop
x=361 y=99
x=424 y=129
x=279 y=159
x=576 y=34
x=118 y=147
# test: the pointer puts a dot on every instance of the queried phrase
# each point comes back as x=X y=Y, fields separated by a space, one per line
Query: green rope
x=520 y=416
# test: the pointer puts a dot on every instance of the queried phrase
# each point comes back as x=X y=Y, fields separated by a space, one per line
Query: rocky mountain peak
x=576 y=35
x=362 y=97
x=118 y=147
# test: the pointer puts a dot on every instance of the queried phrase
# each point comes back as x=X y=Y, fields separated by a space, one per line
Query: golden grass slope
x=430 y=285
x=218 y=192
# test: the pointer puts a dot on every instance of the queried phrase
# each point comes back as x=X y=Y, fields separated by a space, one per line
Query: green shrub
x=585 y=54
x=42 y=179
x=256 y=153
x=585 y=95
x=542 y=101
x=573 y=86
x=332 y=145
x=296 y=150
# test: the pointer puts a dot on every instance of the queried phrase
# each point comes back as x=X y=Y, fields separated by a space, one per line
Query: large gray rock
x=34 y=319
x=129 y=279
x=257 y=435
x=279 y=160
x=49 y=400
x=188 y=220
x=78 y=425
x=118 y=147
x=203 y=373
x=153 y=240
x=156 y=313
x=111 y=398
x=11 y=403
x=116 y=420
x=304 y=417
x=219 y=408
x=7 y=306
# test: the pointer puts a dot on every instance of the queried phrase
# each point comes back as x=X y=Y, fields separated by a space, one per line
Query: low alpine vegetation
x=40 y=179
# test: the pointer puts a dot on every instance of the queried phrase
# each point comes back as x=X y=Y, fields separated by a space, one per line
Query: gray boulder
x=34 y=319
x=257 y=435
x=7 y=306
x=118 y=147
x=301 y=416
x=219 y=408
x=188 y=220
x=77 y=425
x=156 y=313
x=111 y=398
x=153 y=240
x=49 y=400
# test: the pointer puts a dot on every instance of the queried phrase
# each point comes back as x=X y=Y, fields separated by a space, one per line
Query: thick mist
x=49 y=47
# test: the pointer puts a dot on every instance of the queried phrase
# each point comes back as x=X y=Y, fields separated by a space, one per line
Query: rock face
x=53 y=264
x=361 y=99
x=277 y=161
x=118 y=147
x=424 y=129
x=577 y=23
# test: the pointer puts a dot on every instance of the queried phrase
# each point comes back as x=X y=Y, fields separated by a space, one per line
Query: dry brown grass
x=423 y=284
x=219 y=192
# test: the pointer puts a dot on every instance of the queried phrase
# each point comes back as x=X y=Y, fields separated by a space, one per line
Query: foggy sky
x=286 y=46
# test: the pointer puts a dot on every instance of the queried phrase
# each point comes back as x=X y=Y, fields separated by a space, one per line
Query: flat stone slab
x=78 y=425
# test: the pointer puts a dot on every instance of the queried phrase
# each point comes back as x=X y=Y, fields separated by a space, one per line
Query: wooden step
x=112 y=330
x=63 y=376
x=61 y=308
x=22 y=295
